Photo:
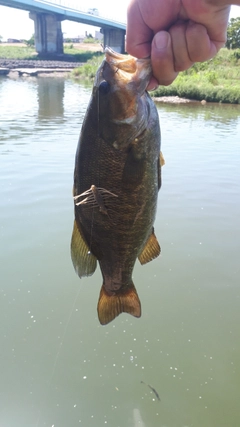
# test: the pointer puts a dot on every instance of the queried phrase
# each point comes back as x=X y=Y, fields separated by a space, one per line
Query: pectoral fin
x=151 y=249
x=84 y=261
x=125 y=300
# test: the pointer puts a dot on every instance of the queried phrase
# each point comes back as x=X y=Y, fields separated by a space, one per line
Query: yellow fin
x=151 y=249
x=125 y=300
x=161 y=159
x=161 y=162
x=84 y=261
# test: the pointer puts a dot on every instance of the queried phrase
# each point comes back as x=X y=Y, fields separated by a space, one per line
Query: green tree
x=1 y=37
x=233 y=34
x=31 y=41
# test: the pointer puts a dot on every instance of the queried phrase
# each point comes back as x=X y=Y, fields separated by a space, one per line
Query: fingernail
x=151 y=89
x=154 y=88
x=161 y=40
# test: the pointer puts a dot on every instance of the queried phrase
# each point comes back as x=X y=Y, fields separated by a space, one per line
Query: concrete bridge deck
x=47 y=16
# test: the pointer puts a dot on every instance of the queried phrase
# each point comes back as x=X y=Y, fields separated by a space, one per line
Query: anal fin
x=125 y=300
x=84 y=261
x=151 y=249
x=161 y=159
x=161 y=163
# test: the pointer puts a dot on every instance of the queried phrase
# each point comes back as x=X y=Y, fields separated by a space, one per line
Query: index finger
x=138 y=36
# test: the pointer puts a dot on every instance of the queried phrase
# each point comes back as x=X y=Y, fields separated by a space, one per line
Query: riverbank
x=21 y=60
x=14 y=68
x=217 y=80
x=78 y=52
x=12 y=64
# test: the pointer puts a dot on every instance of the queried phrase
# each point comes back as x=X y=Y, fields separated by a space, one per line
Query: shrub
x=89 y=69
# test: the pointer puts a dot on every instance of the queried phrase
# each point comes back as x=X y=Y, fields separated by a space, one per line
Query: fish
x=153 y=390
x=117 y=177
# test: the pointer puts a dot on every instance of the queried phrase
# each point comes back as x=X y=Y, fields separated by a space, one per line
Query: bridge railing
x=75 y=6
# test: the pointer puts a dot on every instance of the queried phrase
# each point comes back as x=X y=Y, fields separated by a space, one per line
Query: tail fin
x=125 y=300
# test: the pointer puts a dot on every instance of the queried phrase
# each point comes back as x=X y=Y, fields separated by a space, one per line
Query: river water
x=59 y=367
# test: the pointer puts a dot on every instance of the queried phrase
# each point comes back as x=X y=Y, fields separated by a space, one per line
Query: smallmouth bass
x=116 y=182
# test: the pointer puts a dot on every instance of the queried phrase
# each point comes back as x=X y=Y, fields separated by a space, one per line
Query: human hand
x=175 y=33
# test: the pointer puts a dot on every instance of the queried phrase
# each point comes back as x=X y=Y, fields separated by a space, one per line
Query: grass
x=88 y=71
x=217 y=80
x=80 y=55
x=26 y=52
x=17 y=52
x=90 y=40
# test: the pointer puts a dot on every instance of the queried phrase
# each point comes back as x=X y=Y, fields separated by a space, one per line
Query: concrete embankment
x=25 y=67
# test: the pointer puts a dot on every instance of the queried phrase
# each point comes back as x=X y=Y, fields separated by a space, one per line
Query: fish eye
x=104 y=87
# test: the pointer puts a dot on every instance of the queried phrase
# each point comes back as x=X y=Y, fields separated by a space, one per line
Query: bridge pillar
x=114 y=38
x=48 y=33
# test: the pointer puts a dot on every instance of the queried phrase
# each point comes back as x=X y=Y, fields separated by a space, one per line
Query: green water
x=59 y=367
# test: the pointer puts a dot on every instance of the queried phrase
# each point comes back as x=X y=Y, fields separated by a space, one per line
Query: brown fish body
x=116 y=182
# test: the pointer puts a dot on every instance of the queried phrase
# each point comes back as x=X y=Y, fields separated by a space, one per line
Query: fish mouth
x=113 y=54
x=126 y=69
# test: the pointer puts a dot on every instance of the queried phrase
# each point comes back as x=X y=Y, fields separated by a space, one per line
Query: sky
x=16 y=24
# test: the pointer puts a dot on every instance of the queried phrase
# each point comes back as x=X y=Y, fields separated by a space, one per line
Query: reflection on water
x=59 y=367
x=218 y=113
x=137 y=419
x=50 y=98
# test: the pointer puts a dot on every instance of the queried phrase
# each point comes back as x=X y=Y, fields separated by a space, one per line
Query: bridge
x=48 y=15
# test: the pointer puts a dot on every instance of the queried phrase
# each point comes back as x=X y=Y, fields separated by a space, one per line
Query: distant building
x=98 y=35
x=13 y=41
x=78 y=39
